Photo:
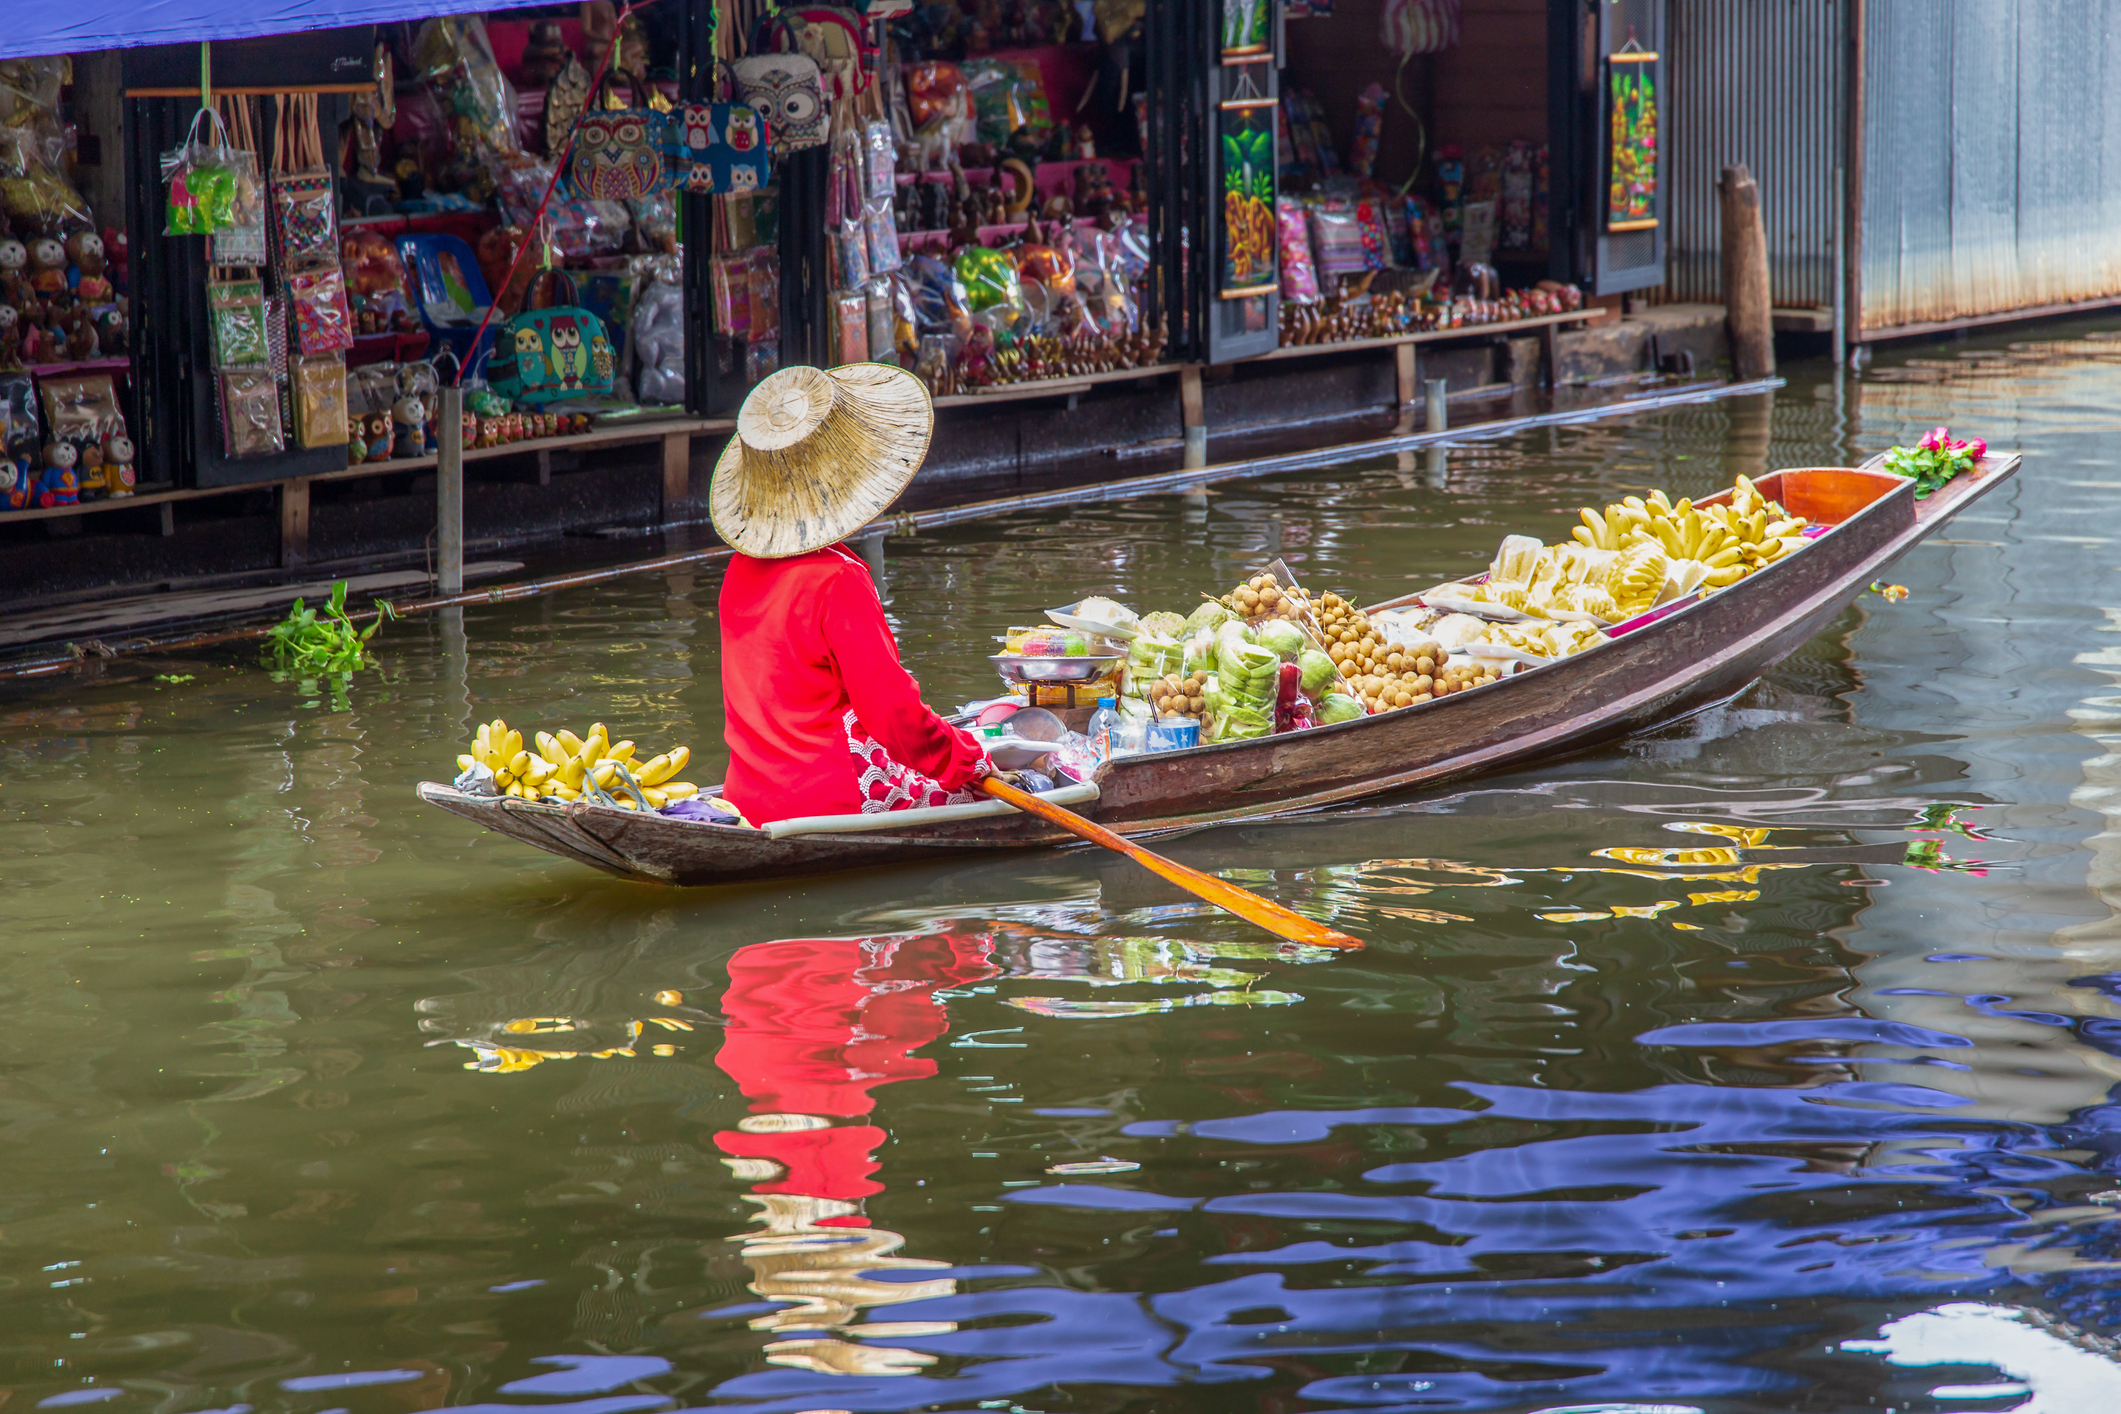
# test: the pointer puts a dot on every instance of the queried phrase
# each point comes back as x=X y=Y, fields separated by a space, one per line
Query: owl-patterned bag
x=721 y=148
x=552 y=355
x=618 y=156
x=786 y=91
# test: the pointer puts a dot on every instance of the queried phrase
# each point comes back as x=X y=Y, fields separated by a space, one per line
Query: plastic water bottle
x=1104 y=730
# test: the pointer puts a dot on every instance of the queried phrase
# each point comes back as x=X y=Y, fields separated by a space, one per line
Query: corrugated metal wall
x=1991 y=157
x=1752 y=81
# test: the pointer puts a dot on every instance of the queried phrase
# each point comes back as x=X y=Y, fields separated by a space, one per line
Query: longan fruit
x=1196 y=704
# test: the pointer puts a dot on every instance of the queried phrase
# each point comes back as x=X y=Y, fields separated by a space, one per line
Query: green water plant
x=327 y=647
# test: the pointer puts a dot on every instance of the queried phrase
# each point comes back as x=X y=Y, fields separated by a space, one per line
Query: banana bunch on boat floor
x=567 y=767
x=1731 y=540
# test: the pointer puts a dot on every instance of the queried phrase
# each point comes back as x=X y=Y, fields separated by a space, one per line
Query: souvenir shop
x=253 y=262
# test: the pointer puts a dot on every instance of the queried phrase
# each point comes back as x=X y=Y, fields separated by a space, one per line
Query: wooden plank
x=250 y=91
x=677 y=473
x=1431 y=336
x=294 y=523
x=1403 y=374
x=1050 y=387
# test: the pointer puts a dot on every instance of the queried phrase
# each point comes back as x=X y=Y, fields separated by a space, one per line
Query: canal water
x=1761 y=1063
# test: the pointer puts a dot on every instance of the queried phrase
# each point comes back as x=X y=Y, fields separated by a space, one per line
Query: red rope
x=559 y=165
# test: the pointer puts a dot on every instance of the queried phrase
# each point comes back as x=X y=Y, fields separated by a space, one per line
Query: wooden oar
x=1249 y=906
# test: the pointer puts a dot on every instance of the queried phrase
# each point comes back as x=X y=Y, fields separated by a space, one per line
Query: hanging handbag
x=721 y=148
x=305 y=210
x=833 y=38
x=618 y=156
x=785 y=90
x=550 y=355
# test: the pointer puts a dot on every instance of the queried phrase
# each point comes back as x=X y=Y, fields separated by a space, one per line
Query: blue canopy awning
x=78 y=26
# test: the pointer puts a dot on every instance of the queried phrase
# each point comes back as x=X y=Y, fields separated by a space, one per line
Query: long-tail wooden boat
x=1699 y=654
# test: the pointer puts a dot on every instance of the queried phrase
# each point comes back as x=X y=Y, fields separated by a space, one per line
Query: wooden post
x=1745 y=276
x=1439 y=410
x=677 y=475
x=449 y=492
x=1550 y=346
x=294 y=522
x=1192 y=415
x=1404 y=375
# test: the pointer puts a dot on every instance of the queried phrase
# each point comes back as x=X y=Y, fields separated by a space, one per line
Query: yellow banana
x=679 y=790
x=519 y=764
x=599 y=729
x=622 y=752
x=504 y=778
x=654 y=771
x=654 y=796
x=549 y=746
x=466 y=762
x=570 y=772
x=592 y=750
x=604 y=772
x=1656 y=498
x=1727 y=556
x=536 y=769
x=680 y=758
x=1781 y=528
x=510 y=745
x=569 y=742
x=1726 y=576
x=1595 y=524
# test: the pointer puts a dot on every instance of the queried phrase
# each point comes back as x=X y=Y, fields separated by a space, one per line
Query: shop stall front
x=249 y=263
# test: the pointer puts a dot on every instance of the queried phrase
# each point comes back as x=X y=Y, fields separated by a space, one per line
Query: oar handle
x=1284 y=922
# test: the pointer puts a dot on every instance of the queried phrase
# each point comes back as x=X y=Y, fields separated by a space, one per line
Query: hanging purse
x=243 y=243
x=305 y=210
x=721 y=148
x=250 y=414
x=317 y=301
x=786 y=91
x=317 y=387
x=235 y=317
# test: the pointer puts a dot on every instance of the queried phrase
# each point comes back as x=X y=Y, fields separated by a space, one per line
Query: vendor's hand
x=1014 y=778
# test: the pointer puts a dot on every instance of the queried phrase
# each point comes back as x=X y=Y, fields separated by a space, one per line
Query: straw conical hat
x=818 y=453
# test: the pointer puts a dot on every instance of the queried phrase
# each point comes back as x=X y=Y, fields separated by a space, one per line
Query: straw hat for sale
x=818 y=453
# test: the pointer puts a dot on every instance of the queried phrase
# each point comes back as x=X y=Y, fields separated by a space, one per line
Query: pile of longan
x=1262 y=596
x=1388 y=675
x=1175 y=696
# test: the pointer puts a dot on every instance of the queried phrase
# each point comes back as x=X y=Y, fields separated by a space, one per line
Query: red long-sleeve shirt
x=804 y=639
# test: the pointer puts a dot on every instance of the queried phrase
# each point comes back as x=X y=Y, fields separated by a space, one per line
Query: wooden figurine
x=84 y=250
x=47 y=266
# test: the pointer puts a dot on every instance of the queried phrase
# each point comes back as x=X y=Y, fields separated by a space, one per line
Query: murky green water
x=1667 y=1071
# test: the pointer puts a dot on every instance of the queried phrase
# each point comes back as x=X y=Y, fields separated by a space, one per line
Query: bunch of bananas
x=1636 y=577
x=567 y=767
x=1732 y=540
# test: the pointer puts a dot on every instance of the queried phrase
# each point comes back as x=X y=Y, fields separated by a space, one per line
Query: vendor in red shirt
x=823 y=719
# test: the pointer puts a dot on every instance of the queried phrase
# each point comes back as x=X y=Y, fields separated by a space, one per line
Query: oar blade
x=1282 y=922
x=1276 y=919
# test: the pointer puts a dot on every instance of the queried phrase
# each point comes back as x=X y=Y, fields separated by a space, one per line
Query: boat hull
x=1696 y=656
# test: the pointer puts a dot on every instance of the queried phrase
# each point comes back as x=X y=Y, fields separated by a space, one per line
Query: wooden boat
x=1697 y=654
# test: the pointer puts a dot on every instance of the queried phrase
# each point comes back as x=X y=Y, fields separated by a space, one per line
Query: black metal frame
x=1179 y=36
x=704 y=391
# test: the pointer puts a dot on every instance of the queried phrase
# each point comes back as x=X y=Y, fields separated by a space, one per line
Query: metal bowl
x=1018 y=667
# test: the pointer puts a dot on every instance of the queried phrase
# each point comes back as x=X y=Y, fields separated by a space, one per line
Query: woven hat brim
x=834 y=482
